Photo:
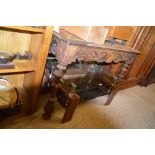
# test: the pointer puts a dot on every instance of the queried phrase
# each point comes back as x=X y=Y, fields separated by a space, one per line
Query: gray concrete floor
x=131 y=108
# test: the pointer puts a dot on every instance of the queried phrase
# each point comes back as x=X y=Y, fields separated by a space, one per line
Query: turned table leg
x=49 y=107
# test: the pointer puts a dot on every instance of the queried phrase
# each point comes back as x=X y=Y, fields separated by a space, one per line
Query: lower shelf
x=22 y=107
x=10 y=111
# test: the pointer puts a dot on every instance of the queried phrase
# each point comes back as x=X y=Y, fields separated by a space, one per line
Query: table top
x=75 y=41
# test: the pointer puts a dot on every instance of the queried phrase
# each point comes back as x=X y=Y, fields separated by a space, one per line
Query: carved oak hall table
x=68 y=49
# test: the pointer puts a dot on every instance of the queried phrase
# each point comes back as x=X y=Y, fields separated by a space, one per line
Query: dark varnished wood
x=69 y=50
x=49 y=107
x=111 y=96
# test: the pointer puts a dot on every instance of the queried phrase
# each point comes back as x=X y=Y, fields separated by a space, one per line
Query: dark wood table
x=69 y=49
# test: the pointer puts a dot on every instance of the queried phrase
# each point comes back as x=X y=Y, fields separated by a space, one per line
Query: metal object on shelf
x=26 y=55
x=113 y=41
x=6 y=57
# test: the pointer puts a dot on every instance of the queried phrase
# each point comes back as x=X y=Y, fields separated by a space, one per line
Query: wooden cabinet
x=149 y=76
x=145 y=43
x=27 y=74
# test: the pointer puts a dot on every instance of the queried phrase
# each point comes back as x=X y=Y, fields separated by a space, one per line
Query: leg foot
x=49 y=108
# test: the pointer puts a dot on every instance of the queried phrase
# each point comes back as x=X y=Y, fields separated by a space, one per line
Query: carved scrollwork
x=54 y=46
x=67 y=53
x=126 y=65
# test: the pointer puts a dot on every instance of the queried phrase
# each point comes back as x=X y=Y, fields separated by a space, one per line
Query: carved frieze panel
x=69 y=51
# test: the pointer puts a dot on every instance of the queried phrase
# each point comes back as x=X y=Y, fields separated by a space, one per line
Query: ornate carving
x=68 y=51
x=53 y=46
x=126 y=65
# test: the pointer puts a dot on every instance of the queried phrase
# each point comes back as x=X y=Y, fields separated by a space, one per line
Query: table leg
x=49 y=107
x=111 y=96
x=72 y=103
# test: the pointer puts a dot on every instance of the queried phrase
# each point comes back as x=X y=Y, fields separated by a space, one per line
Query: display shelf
x=27 y=73
x=25 y=28
x=20 y=66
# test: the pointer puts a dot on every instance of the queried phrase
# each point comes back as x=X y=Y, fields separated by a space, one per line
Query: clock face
x=8 y=95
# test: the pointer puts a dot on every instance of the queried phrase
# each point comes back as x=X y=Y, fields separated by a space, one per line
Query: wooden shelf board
x=25 y=28
x=20 y=66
